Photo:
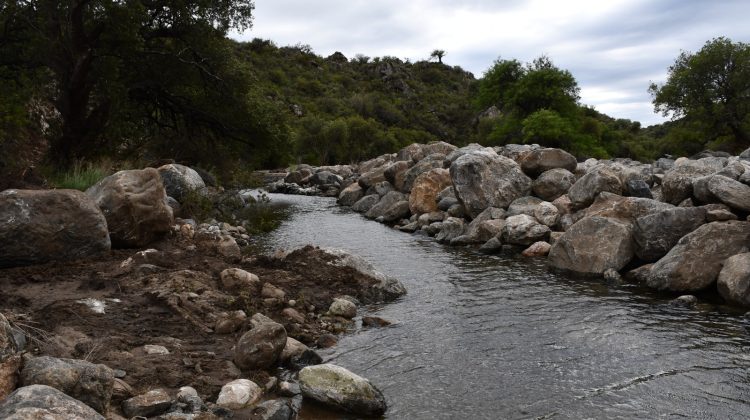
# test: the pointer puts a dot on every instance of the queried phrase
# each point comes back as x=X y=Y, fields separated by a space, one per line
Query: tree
x=123 y=72
x=497 y=85
x=710 y=87
x=438 y=54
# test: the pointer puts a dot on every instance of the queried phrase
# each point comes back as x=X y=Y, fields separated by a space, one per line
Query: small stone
x=374 y=321
x=236 y=279
x=289 y=389
x=720 y=215
x=293 y=315
x=239 y=394
x=343 y=308
x=227 y=323
x=152 y=403
x=155 y=350
x=537 y=249
x=612 y=276
x=119 y=373
x=327 y=340
x=687 y=301
x=272 y=292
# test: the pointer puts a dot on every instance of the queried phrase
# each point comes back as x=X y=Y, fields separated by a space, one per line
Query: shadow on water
x=502 y=337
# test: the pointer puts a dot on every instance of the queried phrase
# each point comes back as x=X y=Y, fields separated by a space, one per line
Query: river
x=500 y=337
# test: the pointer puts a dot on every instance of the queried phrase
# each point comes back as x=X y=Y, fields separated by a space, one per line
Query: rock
x=523 y=205
x=41 y=402
x=626 y=208
x=732 y=193
x=260 y=347
x=486 y=225
x=638 y=188
x=326 y=341
x=483 y=179
x=350 y=195
x=153 y=349
x=396 y=174
x=523 y=230
x=339 y=388
x=424 y=165
x=687 y=301
x=239 y=280
x=553 y=183
x=322 y=178
x=695 y=262
x=411 y=153
x=89 y=383
x=491 y=246
x=374 y=163
x=293 y=348
x=365 y=203
x=473 y=147
x=298 y=176
x=10 y=361
x=452 y=228
x=438 y=148
x=293 y=315
x=343 y=308
x=386 y=289
x=374 y=321
x=640 y=274
x=535 y=162
x=677 y=184
x=368 y=179
x=38 y=226
x=152 y=403
x=720 y=215
x=272 y=292
x=611 y=276
x=135 y=205
x=274 y=410
x=537 y=249
x=381 y=189
x=593 y=245
x=457 y=210
x=554 y=236
x=239 y=394
x=229 y=322
x=546 y=213
x=656 y=233
x=392 y=207
x=289 y=389
x=734 y=279
x=306 y=358
x=179 y=180
x=599 y=179
x=425 y=190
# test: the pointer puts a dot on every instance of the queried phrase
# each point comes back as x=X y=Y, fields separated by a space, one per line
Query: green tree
x=710 y=87
x=498 y=84
x=544 y=86
x=438 y=54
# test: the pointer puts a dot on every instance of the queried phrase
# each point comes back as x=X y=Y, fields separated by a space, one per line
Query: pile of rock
x=681 y=223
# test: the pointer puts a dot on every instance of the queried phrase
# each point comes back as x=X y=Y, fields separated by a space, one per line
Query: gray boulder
x=430 y=162
x=734 y=279
x=89 y=383
x=365 y=203
x=396 y=174
x=534 y=162
x=593 y=245
x=695 y=262
x=381 y=189
x=677 y=184
x=350 y=195
x=484 y=179
x=638 y=188
x=135 y=205
x=553 y=183
x=372 y=177
x=180 y=180
x=523 y=205
x=339 y=388
x=391 y=207
x=261 y=347
x=730 y=192
x=452 y=228
x=479 y=232
x=152 y=403
x=321 y=178
x=588 y=187
x=41 y=402
x=656 y=233
x=37 y=226
x=523 y=229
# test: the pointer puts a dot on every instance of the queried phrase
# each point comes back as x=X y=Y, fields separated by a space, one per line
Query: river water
x=500 y=337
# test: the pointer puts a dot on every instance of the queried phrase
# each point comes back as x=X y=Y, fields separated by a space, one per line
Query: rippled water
x=501 y=337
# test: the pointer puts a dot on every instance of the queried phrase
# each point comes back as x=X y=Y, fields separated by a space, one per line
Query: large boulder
x=239 y=394
x=351 y=195
x=730 y=192
x=386 y=289
x=535 y=162
x=593 y=246
x=37 y=402
x=365 y=203
x=430 y=162
x=484 y=179
x=89 y=383
x=452 y=228
x=656 y=233
x=372 y=177
x=341 y=389
x=38 y=226
x=588 y=187
x=180 y=180
x=261 y=347
x=424 y=192
x=523 y=229
x=627 y=208
x=135 y=205
x=734 y=279
x=485 y=226
x=391 y=207
x=695 y=262
x=523 y=205
x=396 y=174
x=553 y=183
x=677 y=184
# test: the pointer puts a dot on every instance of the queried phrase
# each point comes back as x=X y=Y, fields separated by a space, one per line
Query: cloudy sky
x=614 y=48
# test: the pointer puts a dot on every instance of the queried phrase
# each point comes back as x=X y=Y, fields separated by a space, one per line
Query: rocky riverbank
x=676 y=225
x=110 y=306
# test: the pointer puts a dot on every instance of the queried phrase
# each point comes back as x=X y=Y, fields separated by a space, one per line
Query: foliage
x=438 y=54
x=711 y=90
x=80 y=176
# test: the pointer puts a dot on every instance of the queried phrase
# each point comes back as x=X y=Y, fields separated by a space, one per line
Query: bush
x=81 y=176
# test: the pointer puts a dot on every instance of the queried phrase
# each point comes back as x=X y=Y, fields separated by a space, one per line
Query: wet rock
x=339 y=388
x=238 y=280
x=289 y=389
x=387 y=288
x=179 y=180
x=37 y=226
x=553 y=183
x=152 y=403
x=350 y=195
x=374 y=321
x=392 y=207
x=274 y=410
x=611 y=276
x=425 y=190
x=37 y=402
x=89 y=383
x=492 y=246
x=587 y=188
x=261 y=347
x=537 y=249
x=734 y=279
x=695 y=262
x=365 y=203
x=134 y=204
x=640 y=274
x=451 y=229
x=523 y=230
x=322 y=178
x=535 y=162
x=593 y=245
x=306 y=358
x=343 y=308
x=327 y=341
x=239 y=394
x=484 y=179
x=293 y=348
x=687 y=301
x=656 y=233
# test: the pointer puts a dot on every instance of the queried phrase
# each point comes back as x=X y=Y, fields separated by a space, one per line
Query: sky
x=614 y=48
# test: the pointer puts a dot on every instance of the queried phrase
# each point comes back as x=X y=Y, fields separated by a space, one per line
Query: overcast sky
x=614 y=48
